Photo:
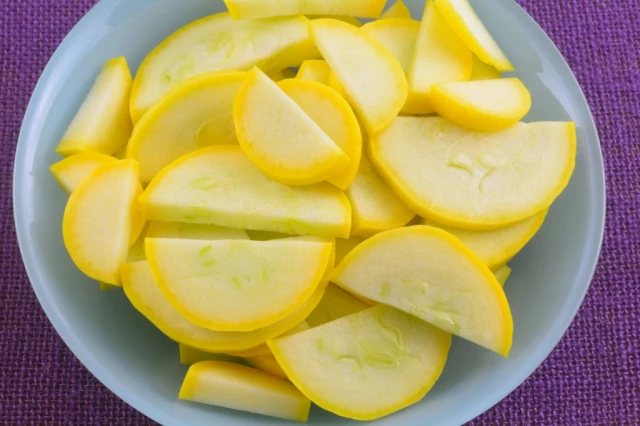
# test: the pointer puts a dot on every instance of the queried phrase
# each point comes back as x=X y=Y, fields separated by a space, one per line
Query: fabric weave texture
x=591 y=378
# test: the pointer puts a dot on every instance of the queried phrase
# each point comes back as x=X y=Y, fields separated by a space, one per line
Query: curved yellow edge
x=505 y=345
x=344 y=200
x=167 y=100
x=321 y=171
x=447 y=218
x=288 y=370
x=498 y=261
x=353 y=149
x=399 y=10
x=474 y=116
x=237 y=327
x=394 y=106
x=252 y=339
x=461 y=17
x=69 y=217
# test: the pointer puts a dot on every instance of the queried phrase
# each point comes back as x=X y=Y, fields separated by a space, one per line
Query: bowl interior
x=139 y=364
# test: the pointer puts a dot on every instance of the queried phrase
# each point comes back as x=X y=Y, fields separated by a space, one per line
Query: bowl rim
x=25 y=149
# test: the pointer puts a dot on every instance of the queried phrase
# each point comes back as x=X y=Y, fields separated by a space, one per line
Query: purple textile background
x=592 y=377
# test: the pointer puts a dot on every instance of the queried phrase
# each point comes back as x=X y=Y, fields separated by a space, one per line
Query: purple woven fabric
x=591 y=378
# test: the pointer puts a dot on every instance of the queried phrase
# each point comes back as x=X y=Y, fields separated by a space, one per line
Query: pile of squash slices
x=309 y=206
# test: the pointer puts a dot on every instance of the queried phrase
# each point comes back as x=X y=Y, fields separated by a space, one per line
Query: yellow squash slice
x=194 y=114
x=336 y=303
x=375 y=206
x=219 y=43
x=234 y=386
x=97 y=221
x=475 y=180
x=372 y=78
x=189 y=356
x=482 y=105
x=463 y=20
x=146 y=296
x=482 y=71
x=497 y=247
x=315 y=70
x=280 y=138
x=211 y=283
x=398 y=10
x=335 y=117
x=366 y=365
x=429 y=273
x=439 y=57
x=71 y=171
x=256 y=9
x=102 y=123
x=191 y=231
x=219 y=185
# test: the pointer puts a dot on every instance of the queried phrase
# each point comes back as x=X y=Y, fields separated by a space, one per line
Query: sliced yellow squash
x=315 y=70
x=374 y=205
x=189 y=356
x=97 y=221
x=335 y=117
x=219 y=43
x=234 y=386
x=256 y=9
x=463 y=20
x=398 y=10
x=482 y=71
x=71 y=171
x=484 y=104
x=372 y=78
x=194 y=114
x=280 y=138
x=366 y=365
x=439 y=57
x=191 y=231
x=429 y=273
x=336 y=303
x=219 y=185
x=475 y=180
x=102 y=123
x=503 y=274
x=211 y=283
x=497 y=247
x=146 y=296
